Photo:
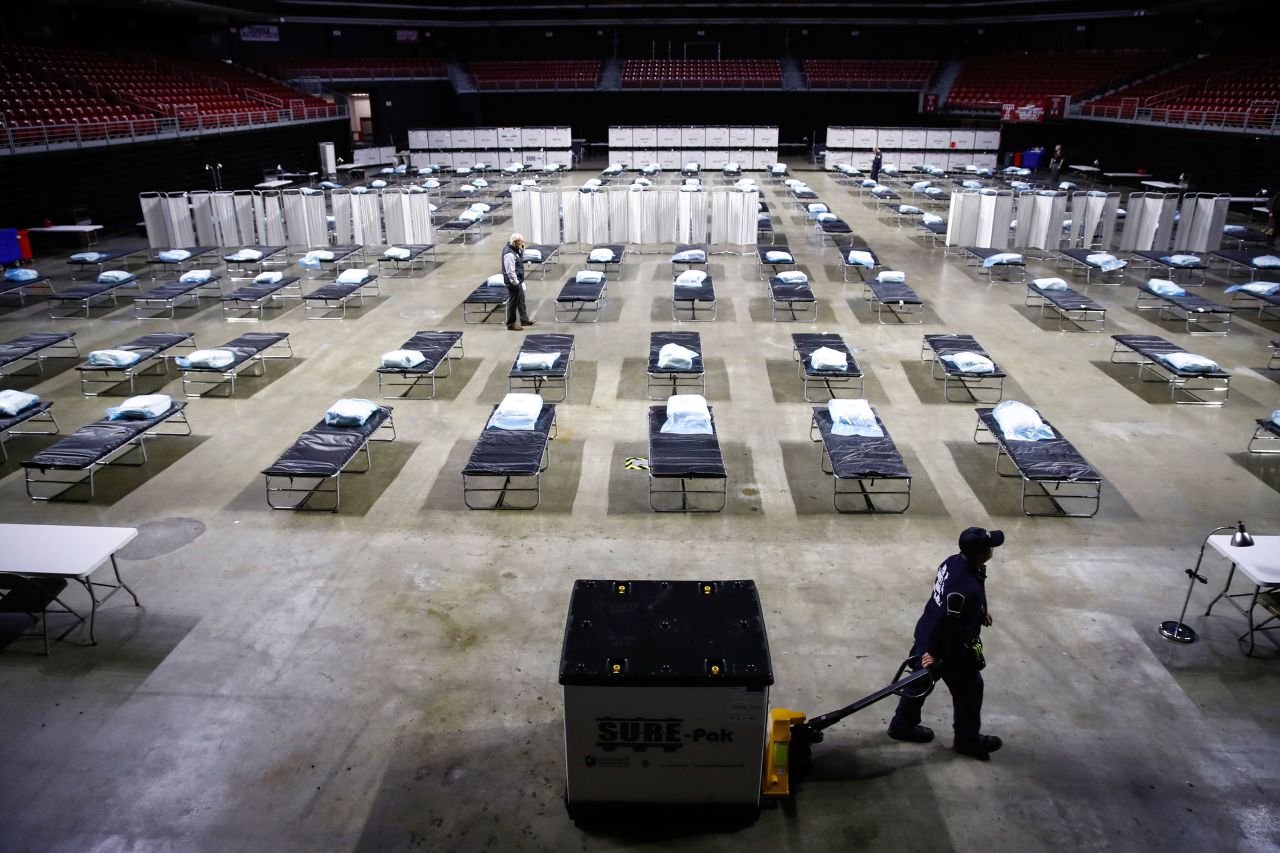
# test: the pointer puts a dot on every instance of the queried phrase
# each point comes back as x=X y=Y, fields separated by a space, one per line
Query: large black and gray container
x=666 y=694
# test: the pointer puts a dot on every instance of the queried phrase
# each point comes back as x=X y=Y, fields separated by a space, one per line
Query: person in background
x=513 y=277
x=876 y=160
x=1055 y=163
x=948 y=639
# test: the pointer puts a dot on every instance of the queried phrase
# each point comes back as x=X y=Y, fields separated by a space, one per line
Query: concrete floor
x=386 y=678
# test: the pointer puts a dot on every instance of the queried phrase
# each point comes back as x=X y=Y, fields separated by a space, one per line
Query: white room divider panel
x=1149 y=224
x=1093 y=220
x=1200 y=225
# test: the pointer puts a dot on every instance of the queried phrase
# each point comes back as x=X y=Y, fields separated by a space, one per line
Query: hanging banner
x=1029 y=112
x=930 y=103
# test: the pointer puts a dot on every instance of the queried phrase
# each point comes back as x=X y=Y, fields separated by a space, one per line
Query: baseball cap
x=980 y=539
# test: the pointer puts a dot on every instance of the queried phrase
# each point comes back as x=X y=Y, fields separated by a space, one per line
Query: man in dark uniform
x=876 y=159
x=948 y=638
x=513 y=277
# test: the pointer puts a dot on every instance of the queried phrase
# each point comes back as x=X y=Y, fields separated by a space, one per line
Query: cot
x=310 y=471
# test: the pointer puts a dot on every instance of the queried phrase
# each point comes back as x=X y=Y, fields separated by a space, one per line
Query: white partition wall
x=202 y=214
x=710 y=147
x=1040 y=217
x=304 y=217
x=1093 y=220
x=225 y=221
x=1200 y=225
x=962 y=219
x=948 y=148
x=342 y=233
x=457 y=147
x=535 y=213
x=1149 y=223
x=980 y=218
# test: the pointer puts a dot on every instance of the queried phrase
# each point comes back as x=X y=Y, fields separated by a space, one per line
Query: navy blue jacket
x=953 y=617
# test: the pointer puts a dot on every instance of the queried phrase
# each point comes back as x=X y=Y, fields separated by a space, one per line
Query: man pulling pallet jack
x=948 y=646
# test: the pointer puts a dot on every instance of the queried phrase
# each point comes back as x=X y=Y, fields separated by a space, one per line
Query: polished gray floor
x=386 y=677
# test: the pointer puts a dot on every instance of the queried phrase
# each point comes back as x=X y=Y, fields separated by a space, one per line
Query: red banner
x=930 y=104
x=1029 y=112
x=1056 y=106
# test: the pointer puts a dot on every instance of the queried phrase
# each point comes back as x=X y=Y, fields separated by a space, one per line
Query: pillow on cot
x=245 y=255
x=1020 y=422
x=1188 y=362
x=853 y=417
x=21 y=274
x=793 y=277
x=349 y=412
x=676 y=357
x=687 y=414
x=90 y=257
x=536 y=360
x=174 y=255
x=13 y=402
x=1165 y=288
x=689 y=256
x=601 y=256
x=516 y=412
x=113 y=357
x=403 y=358
x=1106 y=261
x=214 y=358
x=826 y=358
x=862 y=258
x=142 y=407
x=892 y=277
x=775 y=256
x=533 y=254
x=1257 y=288
x=969 y=362
x=1004 y=258
x=268 y=277
x=1050 y=284
x=691 y=278
x=353 y=276
x=589 y=277
x=397 y=253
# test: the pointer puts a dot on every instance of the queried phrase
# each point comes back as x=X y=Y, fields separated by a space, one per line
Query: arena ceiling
x=629 y=12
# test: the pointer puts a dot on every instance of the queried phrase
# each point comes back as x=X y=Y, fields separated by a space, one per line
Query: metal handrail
x=71 y=135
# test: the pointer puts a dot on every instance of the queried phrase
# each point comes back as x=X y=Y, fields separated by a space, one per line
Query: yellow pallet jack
x=789 y=749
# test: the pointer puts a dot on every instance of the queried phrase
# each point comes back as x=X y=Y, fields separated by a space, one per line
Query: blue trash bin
x=1031 y=158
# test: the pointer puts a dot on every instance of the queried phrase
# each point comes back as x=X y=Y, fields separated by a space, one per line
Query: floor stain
x=162 y=536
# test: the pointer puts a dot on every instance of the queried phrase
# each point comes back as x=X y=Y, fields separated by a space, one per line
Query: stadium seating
x=985 y=83
x=61 y=94
x=869 y=73
x=702 y=73
x=549 y=74
x=1218 y=90
x=355 y=69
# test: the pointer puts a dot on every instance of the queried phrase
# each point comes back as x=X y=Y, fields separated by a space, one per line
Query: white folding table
x=1260 y=563
x=89 y=232
x=67 y=551
x=1161 y=185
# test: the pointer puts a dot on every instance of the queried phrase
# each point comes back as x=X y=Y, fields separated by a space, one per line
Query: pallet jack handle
x=791 y=736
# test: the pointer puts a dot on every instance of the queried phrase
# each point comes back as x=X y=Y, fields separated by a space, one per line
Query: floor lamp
x=1178 y=632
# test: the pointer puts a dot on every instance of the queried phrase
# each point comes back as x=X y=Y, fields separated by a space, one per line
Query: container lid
x=680 y=633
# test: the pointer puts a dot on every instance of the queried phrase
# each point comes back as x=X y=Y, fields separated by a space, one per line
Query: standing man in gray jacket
x=513 y=276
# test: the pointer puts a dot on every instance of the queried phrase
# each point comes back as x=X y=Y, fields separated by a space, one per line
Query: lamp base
x=1177 y=632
